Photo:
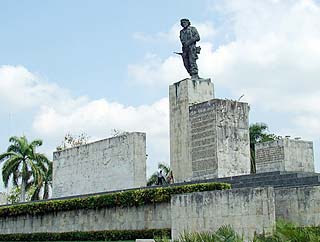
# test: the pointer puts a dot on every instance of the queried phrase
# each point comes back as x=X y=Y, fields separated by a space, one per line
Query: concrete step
x=275 y=179
x=311 y=180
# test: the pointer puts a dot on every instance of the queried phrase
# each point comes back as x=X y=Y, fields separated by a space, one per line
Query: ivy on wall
x=90 y=235
x=130 y=198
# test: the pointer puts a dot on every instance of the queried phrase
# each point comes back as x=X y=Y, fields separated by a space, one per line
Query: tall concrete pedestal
x=209 y=138
x=182 y=95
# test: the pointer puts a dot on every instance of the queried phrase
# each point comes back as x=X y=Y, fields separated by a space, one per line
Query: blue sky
x=82 y=45
x=91 y=66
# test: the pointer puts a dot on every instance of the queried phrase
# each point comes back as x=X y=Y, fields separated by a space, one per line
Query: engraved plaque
x=203 y=139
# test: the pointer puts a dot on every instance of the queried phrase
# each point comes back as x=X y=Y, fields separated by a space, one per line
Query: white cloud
x=20 y=89
x=273 y=58
x=206 y=29
x=58 y=113
x=154 y=72
x=98 y=117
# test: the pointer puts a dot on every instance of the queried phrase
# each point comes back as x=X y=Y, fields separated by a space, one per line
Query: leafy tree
x=154 y=177
x=258 y=134
x=71 y=140
x=22 y=163
x=14 y=195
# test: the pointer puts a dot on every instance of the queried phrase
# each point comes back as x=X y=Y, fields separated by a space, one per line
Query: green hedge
x=128 y=198
x=90 y=236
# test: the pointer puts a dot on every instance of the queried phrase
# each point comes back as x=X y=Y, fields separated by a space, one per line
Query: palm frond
x=36 y=172
x=9 y=168
x=35 y=143
x=13 y=148
x=164 y=167
x=7 y=155
x=41 y=160
x=14 y=139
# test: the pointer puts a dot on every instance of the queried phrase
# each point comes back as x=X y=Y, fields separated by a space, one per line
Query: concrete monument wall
x=247 y=210
x=182 y=95
x=219 y=139
x=105 y=165
x=284 y=155
x=134 y=218
x=300 y=205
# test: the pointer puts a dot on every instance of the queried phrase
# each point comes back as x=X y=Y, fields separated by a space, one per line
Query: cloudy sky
x=93 y=66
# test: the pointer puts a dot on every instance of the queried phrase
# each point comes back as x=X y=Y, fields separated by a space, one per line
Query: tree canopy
x=258 y=133
x=22 y=164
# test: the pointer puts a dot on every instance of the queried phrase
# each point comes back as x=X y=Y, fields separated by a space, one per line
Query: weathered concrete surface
x=181 y=95
x=284 y=155
x=105 y=165
x=3 y=198
x=219 y=140
x=135 y=218
x=300 y=205
x=247 y=210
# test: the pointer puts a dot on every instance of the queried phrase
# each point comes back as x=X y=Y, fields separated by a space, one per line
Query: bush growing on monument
x=130 y=198
x=108 y=235
x=72 y=140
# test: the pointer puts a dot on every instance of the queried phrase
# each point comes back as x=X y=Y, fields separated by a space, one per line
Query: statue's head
x=184 y=22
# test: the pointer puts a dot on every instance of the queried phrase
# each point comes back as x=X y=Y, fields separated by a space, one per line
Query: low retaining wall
x=300 y=205
x=157 y=216
x=247 y=210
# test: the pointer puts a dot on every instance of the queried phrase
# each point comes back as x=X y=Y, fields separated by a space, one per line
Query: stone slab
x=284 y=155
x=219 y=139
x=299 y=205
x=106 y=165
x=248 y=211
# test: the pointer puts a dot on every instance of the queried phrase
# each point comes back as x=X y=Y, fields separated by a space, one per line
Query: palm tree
x=257 y=133
x=46 y=183
x=22 y=163
x=154 y=177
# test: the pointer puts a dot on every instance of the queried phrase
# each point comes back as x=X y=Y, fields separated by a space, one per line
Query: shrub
x=90 y=235
x=129 y=198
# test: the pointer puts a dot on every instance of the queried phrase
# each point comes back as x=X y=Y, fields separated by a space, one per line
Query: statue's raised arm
x=189 y=36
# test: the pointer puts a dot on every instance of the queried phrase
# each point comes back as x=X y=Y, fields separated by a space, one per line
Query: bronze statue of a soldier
x=189 y=36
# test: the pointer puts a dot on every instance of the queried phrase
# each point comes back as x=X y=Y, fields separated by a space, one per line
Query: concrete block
x=299 y=205
x=105 y=165
x=284 y=155
x=209 y=138
x=182 y=95
x=243 y=221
